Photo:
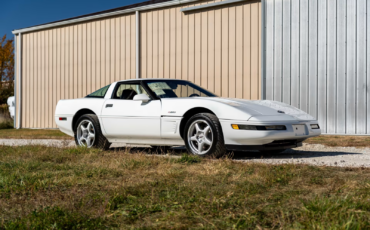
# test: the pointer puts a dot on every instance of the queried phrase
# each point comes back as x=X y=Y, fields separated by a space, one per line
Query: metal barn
x=312 y=54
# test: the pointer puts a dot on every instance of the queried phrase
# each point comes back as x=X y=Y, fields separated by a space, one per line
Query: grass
x=340 y=141
x=33 y=134
x=56 y=188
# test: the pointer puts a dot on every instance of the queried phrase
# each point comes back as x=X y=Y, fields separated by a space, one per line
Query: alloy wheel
x=86 y=133
x=200 y=137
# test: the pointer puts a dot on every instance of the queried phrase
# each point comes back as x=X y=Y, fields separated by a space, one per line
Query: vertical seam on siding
x=282 y=53
x=181 y=47
x=346 y=68
x=201 y=48
x=356 y=70
x=366 y=68
x=273 y=53
x=299 y=56
x=243 y=50
x=235 y=46
x=328 y=64
x=228 y=50
x=259 y=92
x=221 y=53
x=250 y=52
x=317 y=61
x=308 y=59
x=290 y=52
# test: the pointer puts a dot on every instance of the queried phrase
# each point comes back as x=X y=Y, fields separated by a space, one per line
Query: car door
x=124 y=118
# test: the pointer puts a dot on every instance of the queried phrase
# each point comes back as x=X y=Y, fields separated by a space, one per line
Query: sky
x=17 y=14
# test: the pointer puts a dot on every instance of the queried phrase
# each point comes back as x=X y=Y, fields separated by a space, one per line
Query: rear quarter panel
x=68 y=109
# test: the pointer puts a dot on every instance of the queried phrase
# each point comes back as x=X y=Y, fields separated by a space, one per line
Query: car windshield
x=177 y=89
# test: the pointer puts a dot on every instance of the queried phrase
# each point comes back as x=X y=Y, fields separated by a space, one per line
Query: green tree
x=6 y=69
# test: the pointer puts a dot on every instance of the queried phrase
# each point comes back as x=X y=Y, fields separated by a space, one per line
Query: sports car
x=169 y=112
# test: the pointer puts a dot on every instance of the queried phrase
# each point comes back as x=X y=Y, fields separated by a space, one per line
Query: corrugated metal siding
x=217 y=48
x=71 y=62
x=317 y=59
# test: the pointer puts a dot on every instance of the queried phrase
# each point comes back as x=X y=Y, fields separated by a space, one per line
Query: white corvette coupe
x=165 y=112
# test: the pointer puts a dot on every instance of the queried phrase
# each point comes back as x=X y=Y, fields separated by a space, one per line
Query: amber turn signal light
x=235 y=126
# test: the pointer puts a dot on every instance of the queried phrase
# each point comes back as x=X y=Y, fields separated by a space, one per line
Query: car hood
x=264 y=108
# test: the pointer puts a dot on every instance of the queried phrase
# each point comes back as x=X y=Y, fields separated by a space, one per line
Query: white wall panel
x=278 y=51
x=270 y=49
x=351 y=67
x=368 y=66
x=294 y=64
x=303 y=55
x=331 y=90
x=286 y=51
x=322 y=63
x=361 y=67
x=341 y=69
x=328 y=59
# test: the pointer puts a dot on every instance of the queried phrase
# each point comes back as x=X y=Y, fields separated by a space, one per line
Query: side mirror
x=141 y=97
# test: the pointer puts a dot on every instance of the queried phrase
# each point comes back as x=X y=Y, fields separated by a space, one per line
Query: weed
x=189 y=159
x=55 y=218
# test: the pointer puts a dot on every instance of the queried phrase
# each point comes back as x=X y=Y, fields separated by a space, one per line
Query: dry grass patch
x=340 y=141
x=60 y=188
x=33 y=134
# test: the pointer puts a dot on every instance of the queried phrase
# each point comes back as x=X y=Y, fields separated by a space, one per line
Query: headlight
x=257 y=127
x=315 y=126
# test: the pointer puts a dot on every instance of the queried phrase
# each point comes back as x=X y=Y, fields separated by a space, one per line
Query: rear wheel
x=203 y=136
x=88 y=133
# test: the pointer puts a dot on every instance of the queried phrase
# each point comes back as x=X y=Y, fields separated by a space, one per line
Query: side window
x=100 y=93
x=128 y=91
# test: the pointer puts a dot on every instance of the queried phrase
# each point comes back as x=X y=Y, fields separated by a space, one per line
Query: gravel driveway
x=307 y=154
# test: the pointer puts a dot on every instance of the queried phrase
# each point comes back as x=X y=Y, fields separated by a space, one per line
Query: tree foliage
x=6 y=69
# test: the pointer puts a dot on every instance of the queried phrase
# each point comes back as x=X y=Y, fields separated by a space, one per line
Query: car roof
x=150 y=79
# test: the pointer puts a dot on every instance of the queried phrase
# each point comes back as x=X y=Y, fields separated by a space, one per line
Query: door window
x=128 y=91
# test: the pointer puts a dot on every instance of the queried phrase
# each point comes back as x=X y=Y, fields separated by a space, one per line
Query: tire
x=207 y=137
x=90 y=123
x=275 y=151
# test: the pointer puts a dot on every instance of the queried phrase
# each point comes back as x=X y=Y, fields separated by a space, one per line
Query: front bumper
x=260 y=138
x=275 y=145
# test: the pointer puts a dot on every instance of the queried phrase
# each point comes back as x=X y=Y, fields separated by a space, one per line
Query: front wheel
x=203 y=136
x=88 y=133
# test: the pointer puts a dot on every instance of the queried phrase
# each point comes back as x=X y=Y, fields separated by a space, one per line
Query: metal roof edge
x=103 y=15
x=214 y=4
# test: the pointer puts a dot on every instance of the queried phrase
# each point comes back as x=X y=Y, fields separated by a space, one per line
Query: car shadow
x=242 y=155
x=288 y=154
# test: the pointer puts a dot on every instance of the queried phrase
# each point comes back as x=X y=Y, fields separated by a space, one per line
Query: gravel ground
x=311 y=154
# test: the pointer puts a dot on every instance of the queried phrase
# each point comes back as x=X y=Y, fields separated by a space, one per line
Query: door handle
x=108 y=105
